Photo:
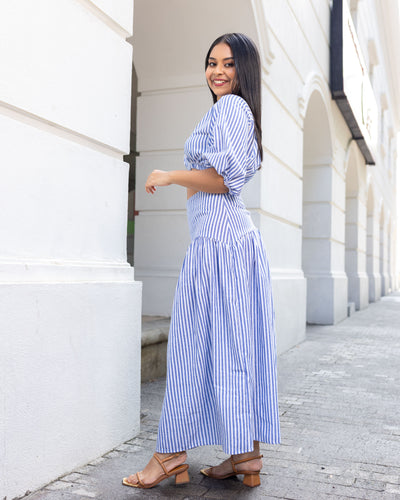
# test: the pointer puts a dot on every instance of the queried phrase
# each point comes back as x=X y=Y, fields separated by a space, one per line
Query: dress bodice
x=225 y=139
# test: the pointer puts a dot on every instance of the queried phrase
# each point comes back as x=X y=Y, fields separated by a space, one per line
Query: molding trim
x=106 y=19
x=60 y=271
x=314 y=81
x=260 y=19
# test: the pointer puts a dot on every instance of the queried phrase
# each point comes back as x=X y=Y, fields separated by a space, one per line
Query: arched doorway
x=320 y=246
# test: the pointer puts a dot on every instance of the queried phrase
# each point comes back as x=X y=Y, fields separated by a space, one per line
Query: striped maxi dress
x=221 y=361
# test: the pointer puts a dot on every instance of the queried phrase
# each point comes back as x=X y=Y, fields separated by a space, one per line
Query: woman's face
x=221 y=71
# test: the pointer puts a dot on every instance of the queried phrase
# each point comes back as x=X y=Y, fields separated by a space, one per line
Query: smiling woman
x=220 y=70
x=232 y=66
x=221 y=373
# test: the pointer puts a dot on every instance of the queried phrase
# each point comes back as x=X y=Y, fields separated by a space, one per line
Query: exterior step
x=154 y=347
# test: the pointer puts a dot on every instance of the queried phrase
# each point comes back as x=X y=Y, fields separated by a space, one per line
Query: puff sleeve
x=229 y=147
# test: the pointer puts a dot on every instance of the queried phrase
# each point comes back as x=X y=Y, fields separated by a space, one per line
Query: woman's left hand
x=157 y=178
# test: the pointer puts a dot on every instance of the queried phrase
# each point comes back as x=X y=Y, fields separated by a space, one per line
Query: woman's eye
x=212 y=64
x=230 y=65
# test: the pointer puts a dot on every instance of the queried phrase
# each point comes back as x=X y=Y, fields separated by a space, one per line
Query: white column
x=386 y=256
x=356 y=251
x=323 y=244
x=69 y=305
x=374 y=278
x=383 y=256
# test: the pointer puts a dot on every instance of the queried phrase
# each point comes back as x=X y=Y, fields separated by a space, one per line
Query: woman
x=221 y=377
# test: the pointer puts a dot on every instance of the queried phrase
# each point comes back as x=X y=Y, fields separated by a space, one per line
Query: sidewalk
x=340 y=419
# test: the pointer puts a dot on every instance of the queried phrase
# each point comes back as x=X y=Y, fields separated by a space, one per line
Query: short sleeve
x=229 y=142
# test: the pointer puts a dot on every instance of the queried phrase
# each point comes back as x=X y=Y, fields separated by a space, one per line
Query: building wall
x=70 y=307
x=310 y=200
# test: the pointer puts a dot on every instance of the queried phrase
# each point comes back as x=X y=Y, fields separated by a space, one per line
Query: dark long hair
x=248 y=75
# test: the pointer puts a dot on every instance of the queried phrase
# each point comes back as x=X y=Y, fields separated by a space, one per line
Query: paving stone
x=97 y=461
x=130 y=448
x=58 y=485
x=75 y=477
x=84 y=493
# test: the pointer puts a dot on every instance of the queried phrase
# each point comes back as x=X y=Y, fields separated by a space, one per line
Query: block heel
x=252 y=480
x=182 y=477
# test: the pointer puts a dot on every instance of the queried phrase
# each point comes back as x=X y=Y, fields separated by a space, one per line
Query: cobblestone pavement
x=340 y=418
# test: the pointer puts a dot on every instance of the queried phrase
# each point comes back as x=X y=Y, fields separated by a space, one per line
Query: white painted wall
x=70 y=307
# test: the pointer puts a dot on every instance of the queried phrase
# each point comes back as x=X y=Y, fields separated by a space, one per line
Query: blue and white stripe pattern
x=221 y=379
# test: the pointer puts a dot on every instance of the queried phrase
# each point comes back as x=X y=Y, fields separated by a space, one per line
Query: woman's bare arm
x=207 y=180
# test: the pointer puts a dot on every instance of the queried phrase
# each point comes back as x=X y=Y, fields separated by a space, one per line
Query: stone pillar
x=374 y=277
x=69 y=304
x=383 y=258
x=356 y=251
x=323 y=263
x=386 y=262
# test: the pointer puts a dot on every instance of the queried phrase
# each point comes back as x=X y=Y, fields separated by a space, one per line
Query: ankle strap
x=243 y=460
x=161 y=461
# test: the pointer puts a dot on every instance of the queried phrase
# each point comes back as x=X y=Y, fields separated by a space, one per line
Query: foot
x=225 y=468
x=153 y=470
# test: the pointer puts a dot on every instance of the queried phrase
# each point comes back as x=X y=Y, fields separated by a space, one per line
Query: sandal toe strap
x=139 y=479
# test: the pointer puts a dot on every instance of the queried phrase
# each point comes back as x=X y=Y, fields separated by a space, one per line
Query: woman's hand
x=207 y=180
x=157 y=178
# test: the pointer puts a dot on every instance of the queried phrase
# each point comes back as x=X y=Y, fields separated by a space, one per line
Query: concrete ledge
x=154 y=347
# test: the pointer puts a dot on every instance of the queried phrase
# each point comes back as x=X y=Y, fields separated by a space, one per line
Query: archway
x=318 y=246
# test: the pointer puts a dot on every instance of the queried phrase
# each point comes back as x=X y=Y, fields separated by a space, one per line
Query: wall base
x=358 y=290
x=69 y=376
x=289 y=294
x=384 y=284
x=374 y=287
x=326 y=298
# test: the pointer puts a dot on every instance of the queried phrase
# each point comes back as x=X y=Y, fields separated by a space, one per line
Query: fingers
x=156 y=178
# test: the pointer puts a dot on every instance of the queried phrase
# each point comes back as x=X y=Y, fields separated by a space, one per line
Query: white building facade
x=72 y=106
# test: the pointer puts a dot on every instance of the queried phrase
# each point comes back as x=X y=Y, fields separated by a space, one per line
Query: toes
x=132 y=479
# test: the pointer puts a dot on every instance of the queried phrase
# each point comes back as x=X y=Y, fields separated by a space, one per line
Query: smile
x=219 y=82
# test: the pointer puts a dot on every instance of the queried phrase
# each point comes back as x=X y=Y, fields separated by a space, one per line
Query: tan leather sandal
x=181 y=473
x=251 y=478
